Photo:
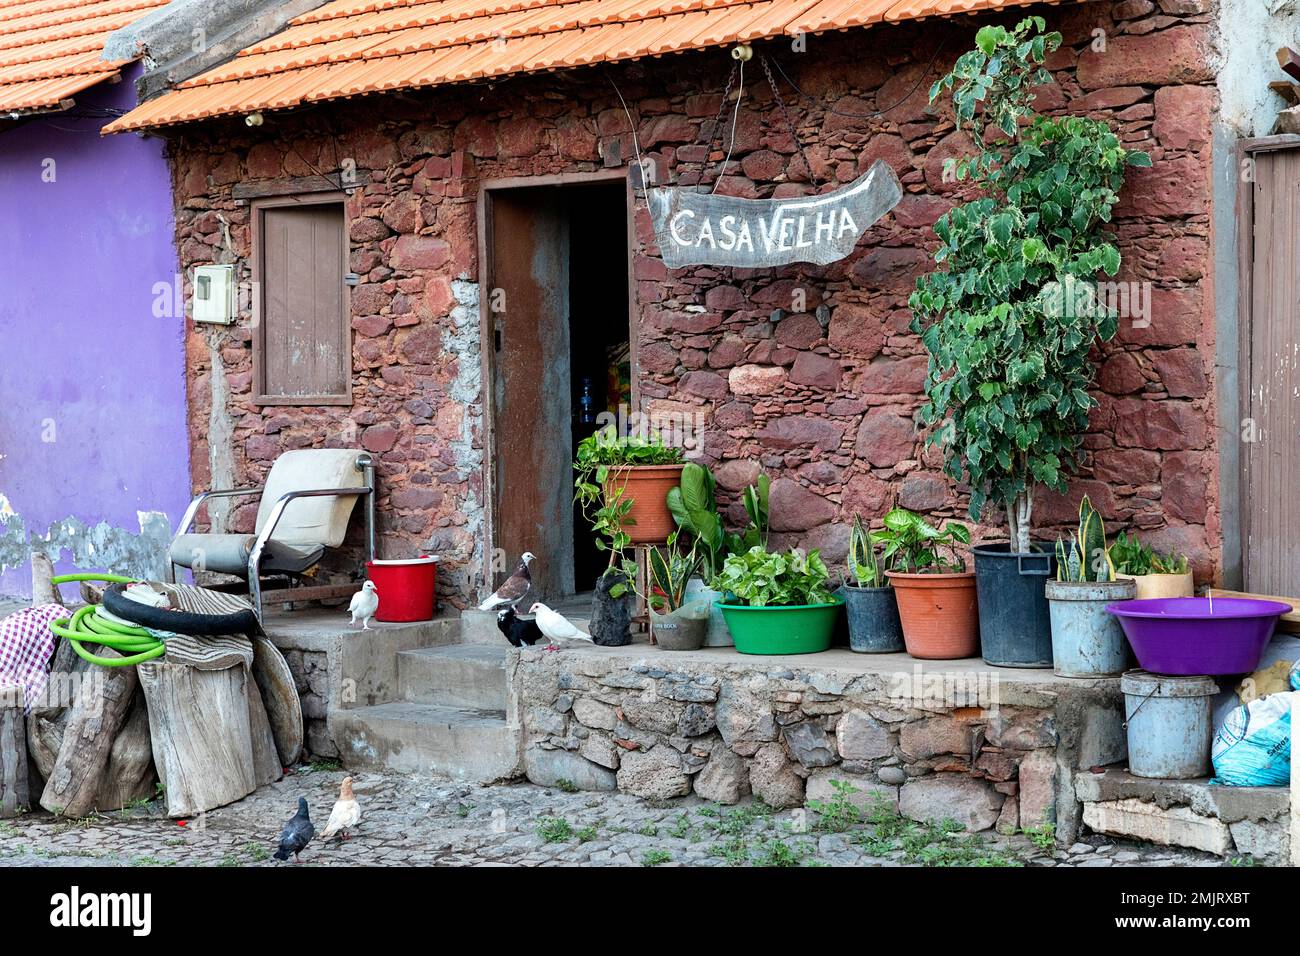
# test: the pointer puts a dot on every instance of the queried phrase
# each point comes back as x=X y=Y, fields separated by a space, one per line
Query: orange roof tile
x=50 y=49
x=353 y=47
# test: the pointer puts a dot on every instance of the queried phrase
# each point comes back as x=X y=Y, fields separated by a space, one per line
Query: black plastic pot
x=874 y=627
x=1015 y=621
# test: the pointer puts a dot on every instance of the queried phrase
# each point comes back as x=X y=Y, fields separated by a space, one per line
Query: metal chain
x=785 y=114
x=715 y=136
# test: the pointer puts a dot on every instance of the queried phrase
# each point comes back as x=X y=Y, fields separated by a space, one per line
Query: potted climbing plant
x=1011 y=312
x=935 y=592
x=778 y=602
x=622 y=486
x=869 y=602
x=1087 y=641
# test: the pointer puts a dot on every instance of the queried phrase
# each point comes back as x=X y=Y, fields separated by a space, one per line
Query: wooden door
x=1271 y=363
x=528 y=251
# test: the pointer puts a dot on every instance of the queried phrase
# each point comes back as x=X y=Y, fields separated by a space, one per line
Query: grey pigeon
x=297 y=833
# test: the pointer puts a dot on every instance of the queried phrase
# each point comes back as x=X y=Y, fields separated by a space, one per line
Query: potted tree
x=935 y=592
x=869 y=602
x=1010 y=315
x=677 y=621
x=694 y=507
x=778 y=603
x=1156 y=575
x=631 y=475
x=1087 y=641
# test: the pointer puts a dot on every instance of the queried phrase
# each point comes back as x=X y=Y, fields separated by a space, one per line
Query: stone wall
x=667 y=726
x=806 y=372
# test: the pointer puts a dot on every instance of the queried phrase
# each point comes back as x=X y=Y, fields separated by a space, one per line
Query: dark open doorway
x=560 y=344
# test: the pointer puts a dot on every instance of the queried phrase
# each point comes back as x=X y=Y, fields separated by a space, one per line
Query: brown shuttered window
x=302 y=336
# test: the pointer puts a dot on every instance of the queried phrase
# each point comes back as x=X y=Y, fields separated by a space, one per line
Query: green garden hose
x=135 y=643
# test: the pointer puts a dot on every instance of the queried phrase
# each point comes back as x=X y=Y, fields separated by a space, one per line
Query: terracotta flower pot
x=649 y=521
x=938 y=611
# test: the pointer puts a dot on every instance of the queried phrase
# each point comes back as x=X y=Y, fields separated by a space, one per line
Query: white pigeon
x=514 y=588
x=346 y=813
x=364 y=605
x=556 y=626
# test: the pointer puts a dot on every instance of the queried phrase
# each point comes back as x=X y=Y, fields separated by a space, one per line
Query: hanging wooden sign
x=706 y=229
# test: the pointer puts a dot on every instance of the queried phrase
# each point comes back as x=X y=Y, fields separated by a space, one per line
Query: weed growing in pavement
x=655 y=857
x=1043 y=837
x=838 y=814
x=566 y=786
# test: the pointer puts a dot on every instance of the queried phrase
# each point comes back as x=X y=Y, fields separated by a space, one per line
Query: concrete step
x=458 y=675
x=466 y=744
x=1198 y=814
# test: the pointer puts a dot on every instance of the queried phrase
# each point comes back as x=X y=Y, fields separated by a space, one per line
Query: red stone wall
x=821 y=399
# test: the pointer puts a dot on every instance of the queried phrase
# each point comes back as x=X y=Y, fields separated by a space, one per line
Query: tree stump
x=202 y=743
x=266 y=761
x=15 y=795
x=103 y=703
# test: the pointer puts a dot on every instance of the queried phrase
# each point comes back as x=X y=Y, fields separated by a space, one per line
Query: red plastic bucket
x=406 y=588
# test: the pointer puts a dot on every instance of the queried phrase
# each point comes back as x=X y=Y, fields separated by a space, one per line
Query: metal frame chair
x=365 y=463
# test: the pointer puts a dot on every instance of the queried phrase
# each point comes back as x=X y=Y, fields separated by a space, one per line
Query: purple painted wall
x=92 y=381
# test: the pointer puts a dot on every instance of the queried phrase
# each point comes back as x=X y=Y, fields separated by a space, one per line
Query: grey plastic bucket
x=1088 y=641
x=1015 y=625
x=1169 y=725
x=874 y=626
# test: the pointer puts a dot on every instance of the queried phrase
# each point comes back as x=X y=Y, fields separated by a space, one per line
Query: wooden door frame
x=487 y=339
x=1245 y=239
x=257 y=256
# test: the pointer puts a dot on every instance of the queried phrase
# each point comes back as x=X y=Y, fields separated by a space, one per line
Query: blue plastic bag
x=1253 y=746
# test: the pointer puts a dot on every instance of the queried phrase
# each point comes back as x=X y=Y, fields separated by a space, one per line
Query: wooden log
x=15 y=791
x=102 y=706
x=266 y=761
x=280 y=695
x=130 y=774
x=202 y=746
x=43 y=590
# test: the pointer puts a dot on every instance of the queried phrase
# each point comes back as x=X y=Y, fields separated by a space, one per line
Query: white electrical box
x=214 y=294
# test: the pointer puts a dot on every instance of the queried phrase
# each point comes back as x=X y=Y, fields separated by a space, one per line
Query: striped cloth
x=206 y=653
x=26 y=646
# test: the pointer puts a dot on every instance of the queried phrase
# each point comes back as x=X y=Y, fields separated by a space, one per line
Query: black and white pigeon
x=517 y=631
x=514 y=589
x=297 y=833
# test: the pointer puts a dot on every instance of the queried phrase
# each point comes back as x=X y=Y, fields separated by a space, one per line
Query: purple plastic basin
x=1181 y=636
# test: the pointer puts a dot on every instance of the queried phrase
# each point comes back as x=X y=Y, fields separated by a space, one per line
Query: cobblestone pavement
x=414 y=821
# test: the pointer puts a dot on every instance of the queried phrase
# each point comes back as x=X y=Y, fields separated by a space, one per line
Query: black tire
x=180 y=622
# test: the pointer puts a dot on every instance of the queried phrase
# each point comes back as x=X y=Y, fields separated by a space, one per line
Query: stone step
x=464 y=743
x=1197 y=814
x=457 y=675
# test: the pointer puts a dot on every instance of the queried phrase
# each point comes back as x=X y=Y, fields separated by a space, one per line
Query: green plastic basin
x=799 y=629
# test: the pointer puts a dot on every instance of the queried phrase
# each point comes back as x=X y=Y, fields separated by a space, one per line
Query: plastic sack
x=1252 y=748
x=1295 y=676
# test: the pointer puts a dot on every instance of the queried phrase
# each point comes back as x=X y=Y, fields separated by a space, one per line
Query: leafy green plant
x=759 y=578
x=1010 y=314
x=655 y=857
x=839 y=813
x=1085 y=557
x=864 y=563
x=604 y=502
x=669 y=571
x=915 y=546
x=694 y=506
x=1133 y=557
x=754 y=498
x=554 y=830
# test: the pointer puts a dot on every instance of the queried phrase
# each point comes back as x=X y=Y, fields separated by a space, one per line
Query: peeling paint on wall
x=462 y=340
x=97 y=547
x=1250 y=32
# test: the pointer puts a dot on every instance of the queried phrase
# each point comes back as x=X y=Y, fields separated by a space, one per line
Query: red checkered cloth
x=26 y=645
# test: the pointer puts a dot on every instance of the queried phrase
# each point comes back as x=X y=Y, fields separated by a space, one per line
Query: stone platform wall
x=666 y=726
